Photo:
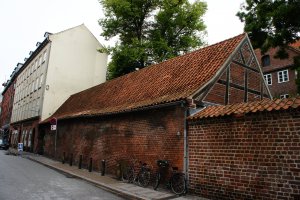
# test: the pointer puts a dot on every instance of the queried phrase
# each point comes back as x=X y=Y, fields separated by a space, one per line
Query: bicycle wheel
x=144 y=178
x=178 y=183
x=156 y=181
x=127 y=175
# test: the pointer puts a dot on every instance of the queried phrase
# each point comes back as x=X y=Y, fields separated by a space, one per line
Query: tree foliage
x=271 y=23
x=150 y=31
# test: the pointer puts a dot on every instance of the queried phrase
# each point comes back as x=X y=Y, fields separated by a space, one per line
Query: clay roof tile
x=244 y=108
x=172 y=80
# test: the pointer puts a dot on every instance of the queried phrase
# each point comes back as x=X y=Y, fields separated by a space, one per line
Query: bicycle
x=141 y=177
x=176 y=182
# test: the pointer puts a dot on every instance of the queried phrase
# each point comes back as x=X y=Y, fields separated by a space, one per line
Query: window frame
x=284 y=96
x=264 y=59
x=268 y=77
x=281 y=74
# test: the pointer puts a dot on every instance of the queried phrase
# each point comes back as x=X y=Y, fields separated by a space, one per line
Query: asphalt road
x=22 y=179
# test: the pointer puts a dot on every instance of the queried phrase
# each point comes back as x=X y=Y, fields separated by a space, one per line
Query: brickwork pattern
x=256 y=156
x=218 y=91
x=146 y=136
x=277 y=65
x=288 y=87
x=6 y=105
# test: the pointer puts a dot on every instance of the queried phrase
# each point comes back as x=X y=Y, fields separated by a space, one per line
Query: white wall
x=74 y=65
x=29 y=87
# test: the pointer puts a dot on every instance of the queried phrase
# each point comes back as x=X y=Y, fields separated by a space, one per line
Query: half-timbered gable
x=239 y=80
x=143 y=114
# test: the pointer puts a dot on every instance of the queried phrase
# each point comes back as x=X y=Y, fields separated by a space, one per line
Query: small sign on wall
x=20 y=146
x=53 y=123
x=53 y=127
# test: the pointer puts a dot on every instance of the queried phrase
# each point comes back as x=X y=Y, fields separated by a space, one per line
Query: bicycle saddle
x=163 y=163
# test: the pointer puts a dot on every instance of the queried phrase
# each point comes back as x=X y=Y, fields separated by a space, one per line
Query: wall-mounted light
x=47 y=87
x=178 y=134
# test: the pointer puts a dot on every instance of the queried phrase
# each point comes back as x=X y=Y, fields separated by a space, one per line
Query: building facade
x=142 y=115
x=279 y=73
x=7 y=103
x=63 y=64
x=246 y=150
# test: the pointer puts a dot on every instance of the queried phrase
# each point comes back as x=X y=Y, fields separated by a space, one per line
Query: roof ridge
x=168 y=60
x=164 y=82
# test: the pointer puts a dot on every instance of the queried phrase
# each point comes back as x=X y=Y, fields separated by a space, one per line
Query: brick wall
x=288 y=87
x=276 y=65
x=236 y=95
x=256 y=156
x=146 y=135
x=7 y=104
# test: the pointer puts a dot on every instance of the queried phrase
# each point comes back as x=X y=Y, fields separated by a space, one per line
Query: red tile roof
x=244 y=108
x=169 y=81
x=277 y=63
x=296 y=44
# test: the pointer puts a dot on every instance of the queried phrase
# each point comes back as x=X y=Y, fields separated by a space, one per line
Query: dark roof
x=244 y=108
x=169 y=81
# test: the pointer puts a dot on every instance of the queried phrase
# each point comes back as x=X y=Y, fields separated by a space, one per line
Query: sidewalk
x=126 y=190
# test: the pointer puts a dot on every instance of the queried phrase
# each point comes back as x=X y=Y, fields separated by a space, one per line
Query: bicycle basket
x=163 y=163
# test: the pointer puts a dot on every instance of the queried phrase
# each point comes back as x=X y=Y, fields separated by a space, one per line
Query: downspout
x=185 y=143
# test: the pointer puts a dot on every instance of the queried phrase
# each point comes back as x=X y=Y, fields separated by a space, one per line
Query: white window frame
x=32 y=87
x=41 y=80
x=268 y=79
x=284 y=96
x=44 y=56
x=40 y=60
x=36 y=64
x=36 y=84
x=281 y=74
x=25 y=139
x=29 y=138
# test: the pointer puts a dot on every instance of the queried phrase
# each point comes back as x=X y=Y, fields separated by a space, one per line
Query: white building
x=63 y=64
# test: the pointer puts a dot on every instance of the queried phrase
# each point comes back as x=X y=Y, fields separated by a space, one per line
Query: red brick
x=244 y=158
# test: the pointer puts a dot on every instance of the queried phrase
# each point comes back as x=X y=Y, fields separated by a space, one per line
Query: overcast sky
x=23 y=24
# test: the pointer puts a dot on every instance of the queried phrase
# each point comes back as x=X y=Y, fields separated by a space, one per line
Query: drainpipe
x=185 y=143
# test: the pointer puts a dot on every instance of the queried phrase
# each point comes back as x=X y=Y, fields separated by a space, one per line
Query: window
x=283 y=96
x=36 y=84
x=25 y=139
x=45 y=56
x=36 y=63
x=32 y=86
x=41 y=80
x=29 y=138
x=33 y=111
x=265 y=60
x=22 y=136
x=283 y=76
x=37 y=104
x=40 y=60
x=268 y=78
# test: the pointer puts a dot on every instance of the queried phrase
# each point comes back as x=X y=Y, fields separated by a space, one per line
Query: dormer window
x=265 y=60
x=47 y=34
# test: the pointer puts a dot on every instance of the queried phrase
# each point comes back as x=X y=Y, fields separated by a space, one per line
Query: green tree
x=150 y=31
x=271 y=23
